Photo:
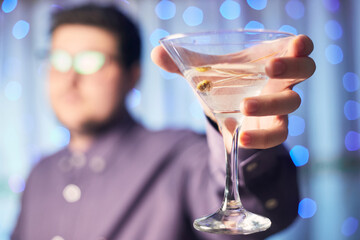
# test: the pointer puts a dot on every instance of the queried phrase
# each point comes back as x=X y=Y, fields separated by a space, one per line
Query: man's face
x=82 y=99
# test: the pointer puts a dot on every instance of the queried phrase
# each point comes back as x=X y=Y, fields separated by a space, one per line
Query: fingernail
x=279 y=68
x=251 y=106
x=245 y=139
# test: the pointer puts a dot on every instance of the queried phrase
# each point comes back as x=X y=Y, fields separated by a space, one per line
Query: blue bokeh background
x=324 y=133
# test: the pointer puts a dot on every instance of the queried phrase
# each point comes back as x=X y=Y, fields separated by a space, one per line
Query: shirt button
x=71 y=193
x=78 y=160
x=64 y=165
x=57 y=237
x=251 y=166
x=97 y=164
x=271 y=203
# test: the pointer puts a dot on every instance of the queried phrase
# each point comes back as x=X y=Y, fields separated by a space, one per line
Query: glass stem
x=231 y=139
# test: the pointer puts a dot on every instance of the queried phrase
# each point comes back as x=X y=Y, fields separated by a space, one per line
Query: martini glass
x=224 y=67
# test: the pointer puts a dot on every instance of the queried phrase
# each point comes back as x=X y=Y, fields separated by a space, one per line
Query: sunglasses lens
x=61 y=60
x=88 y=62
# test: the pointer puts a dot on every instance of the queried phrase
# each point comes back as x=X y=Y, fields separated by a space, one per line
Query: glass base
x=233 y=221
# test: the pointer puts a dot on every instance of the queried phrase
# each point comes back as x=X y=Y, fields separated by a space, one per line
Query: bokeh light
x=60 y=136
x=193 y=16
x=352 y=141
x=299 y=155
x=156 y=35
x=230 y=9
x=295 y=9
x=351 y=82
x=254 y=25
x=288 y=28
x=333 y=30
x=10 y=67
x=13 y=90
x=307 y=208
x=165 y=9
x=349 y=226
x=352 y=110
x=20 y=29
x=296 y=125
x=331 y=5
x=334 y=54
x=133 y=99
x=9 y=5
x=16 y=183
x=257 y=4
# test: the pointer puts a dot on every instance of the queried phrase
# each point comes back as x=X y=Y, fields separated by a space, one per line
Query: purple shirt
x=137 y=184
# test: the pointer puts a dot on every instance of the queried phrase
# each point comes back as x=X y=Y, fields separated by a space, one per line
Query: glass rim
x=239 y=30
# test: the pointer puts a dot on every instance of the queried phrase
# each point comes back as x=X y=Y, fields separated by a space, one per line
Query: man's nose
x=73 y=77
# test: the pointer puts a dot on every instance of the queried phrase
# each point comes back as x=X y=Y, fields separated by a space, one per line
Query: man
x=117 y=180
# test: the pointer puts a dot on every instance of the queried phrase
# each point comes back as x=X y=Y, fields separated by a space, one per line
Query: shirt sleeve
x=267 y=184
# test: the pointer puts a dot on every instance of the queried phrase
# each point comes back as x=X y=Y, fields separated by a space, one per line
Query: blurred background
x=324 y=136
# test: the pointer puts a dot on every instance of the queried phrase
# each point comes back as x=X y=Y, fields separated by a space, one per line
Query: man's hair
x=108 y=18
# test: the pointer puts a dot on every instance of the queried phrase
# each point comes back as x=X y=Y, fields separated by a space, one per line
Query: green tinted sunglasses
x=86 y=62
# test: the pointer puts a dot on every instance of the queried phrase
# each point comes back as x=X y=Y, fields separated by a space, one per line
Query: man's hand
x=266 y=124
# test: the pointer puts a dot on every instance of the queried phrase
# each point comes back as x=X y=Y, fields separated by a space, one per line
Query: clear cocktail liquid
x=223 y=86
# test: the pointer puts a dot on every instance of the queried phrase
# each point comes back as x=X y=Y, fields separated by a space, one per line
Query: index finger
x=161 y=58
x=300 y=46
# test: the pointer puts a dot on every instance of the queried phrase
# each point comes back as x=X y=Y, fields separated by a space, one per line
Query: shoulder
x=52 y=159
x=47 y=165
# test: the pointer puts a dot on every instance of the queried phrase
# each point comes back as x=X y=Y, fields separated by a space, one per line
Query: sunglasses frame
x=75 y=61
